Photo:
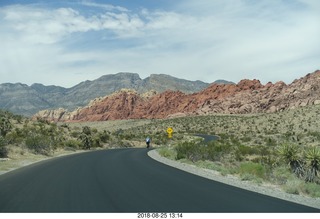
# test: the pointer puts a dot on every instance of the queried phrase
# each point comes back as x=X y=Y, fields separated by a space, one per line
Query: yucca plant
x=291 y=155
x=313 y=159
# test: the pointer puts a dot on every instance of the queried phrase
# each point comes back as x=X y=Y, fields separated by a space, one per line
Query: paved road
x=207 y=138
x=124 y=180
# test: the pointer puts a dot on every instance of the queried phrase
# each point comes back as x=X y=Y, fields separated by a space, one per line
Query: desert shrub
x=86 y=130
x=39 y=144
x=294 y=186
x=72 y=144
x=3 y=149
x=168 y=153
x=189 y=150
x=104 y=136
x=5 y=125
x=216 y=150
x=312 y=189
x=245 y=150
x=254 y=169
x=161 y=139
x=96 y=142
x=15 y=137
x=214 y=166
x=86 y=141
x=281 y=174
x=75 y=134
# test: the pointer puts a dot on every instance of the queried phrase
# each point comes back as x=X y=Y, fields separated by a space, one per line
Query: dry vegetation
x=280 y=149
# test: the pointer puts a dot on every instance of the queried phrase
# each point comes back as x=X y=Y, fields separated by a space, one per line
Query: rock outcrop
x=248 y=96
x=28 y=100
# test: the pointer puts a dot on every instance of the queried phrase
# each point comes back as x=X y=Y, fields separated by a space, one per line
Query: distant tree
x=86 y=138
x=5 y=125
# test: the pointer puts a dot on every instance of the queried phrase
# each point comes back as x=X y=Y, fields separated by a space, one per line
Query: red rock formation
x=248 y=96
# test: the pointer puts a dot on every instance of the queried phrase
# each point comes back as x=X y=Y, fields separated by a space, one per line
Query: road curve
x=124 y=180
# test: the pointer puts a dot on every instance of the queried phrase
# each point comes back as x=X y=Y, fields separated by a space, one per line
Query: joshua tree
x=313 y=158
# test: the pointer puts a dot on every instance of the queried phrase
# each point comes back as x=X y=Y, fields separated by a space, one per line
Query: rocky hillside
x=28 y=100
x=248 y=96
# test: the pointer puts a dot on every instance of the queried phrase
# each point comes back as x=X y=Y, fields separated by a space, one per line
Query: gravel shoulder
x=234 y=181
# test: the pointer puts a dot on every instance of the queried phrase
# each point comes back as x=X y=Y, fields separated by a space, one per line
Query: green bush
x=214 y=166
x=294 y=186
x=5 y=125
x=104 y=136
x=216 y=150
x=72 y=144
x=86 y=141
x=245 y=150
x=39 y=144
x=96 y=142
x=255 y=169
x=281 y=174
x=168 y=153
x=15 y=137
x=75 y=134
x=189 y=150
x=312 y=189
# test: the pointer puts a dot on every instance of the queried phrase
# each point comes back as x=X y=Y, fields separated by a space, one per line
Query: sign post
x=169 y=131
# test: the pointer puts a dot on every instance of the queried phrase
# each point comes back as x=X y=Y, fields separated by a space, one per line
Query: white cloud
x=106 y=7
x=205 y=40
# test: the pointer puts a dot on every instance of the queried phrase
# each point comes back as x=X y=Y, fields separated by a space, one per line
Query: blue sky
x=66 y=42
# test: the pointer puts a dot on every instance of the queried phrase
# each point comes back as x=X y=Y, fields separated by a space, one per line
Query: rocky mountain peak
x=28 y=100
x=248 y=96
x=249 y=84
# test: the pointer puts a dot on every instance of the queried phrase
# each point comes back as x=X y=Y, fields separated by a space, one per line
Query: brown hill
x=248 y=96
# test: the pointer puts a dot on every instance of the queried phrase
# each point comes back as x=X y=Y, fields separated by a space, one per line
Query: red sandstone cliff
x=248 y=96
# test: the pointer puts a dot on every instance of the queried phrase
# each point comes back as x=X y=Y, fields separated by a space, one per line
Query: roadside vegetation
x=280 y=149
x=23 y=141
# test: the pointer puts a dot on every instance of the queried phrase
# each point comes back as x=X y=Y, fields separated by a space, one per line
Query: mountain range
x=27 y=100
x=248 y=96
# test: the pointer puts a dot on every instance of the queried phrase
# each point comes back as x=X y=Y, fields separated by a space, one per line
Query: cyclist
x=148 y=141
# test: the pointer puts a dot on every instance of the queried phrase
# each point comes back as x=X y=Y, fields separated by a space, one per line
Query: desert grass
x=109 y=125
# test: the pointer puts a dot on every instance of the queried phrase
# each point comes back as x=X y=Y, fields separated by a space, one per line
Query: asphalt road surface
x=124 y=180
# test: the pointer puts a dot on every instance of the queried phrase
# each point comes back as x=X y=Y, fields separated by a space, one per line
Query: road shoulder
x=234 y=181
